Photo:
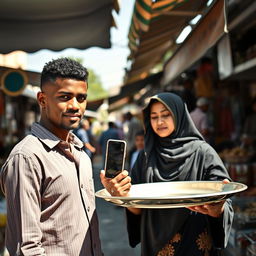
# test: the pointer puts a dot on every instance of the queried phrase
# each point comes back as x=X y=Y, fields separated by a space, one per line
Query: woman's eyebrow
x=162 y=110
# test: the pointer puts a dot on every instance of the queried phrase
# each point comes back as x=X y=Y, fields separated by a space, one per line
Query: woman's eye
x=166 y=116
x=154 y=117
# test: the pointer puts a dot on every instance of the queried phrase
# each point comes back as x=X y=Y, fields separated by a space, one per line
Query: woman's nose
x=159 y=120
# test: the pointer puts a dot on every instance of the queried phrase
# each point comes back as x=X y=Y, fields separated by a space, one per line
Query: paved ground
x=112 y=222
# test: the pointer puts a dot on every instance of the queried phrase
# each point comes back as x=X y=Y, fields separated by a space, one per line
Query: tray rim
x=128 y=198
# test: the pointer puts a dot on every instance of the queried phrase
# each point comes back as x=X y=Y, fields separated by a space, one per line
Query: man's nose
x=73 y=103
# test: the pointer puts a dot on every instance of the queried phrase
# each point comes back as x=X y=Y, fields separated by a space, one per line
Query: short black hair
x=139 y=133
x=63 y=68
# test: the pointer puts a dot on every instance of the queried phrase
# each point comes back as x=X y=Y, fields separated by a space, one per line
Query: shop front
x=225 y=74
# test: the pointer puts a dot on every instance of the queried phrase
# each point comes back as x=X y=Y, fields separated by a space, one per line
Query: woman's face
x=161 y=120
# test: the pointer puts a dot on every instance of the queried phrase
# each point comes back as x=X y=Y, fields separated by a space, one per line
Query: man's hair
x=63 y=68
x=139 y=133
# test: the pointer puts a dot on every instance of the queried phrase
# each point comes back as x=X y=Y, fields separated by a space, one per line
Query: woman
x=174 y=151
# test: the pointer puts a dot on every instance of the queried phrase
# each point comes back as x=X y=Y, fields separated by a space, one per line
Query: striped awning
x=155 y=25
x=144 y=12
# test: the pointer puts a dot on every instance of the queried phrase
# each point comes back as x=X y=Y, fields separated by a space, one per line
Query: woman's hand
x=117 y=186
x=213 y=210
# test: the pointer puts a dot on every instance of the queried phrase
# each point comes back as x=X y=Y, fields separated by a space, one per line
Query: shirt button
x=88 y=208
x=82 y=185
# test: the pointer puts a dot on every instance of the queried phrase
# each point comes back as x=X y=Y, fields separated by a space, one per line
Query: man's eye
x=64 y=97
x=81 y=98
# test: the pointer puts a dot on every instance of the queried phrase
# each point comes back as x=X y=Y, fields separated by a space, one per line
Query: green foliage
x=95 y=89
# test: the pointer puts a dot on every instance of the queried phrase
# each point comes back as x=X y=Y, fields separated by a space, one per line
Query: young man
x=47 y=178
x=139 y=145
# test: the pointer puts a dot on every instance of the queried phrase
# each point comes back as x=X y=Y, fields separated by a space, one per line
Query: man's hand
x=213 y=210
x=118 y=186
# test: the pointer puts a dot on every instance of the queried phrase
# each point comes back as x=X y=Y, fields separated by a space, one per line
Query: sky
x=108 y=64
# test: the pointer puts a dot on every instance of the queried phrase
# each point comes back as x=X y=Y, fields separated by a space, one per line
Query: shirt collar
x=51 y=140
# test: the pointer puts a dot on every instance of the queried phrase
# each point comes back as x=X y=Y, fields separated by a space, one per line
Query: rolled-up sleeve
x=21 y=182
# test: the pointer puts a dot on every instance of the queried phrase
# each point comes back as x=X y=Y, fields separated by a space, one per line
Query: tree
x=95 y=89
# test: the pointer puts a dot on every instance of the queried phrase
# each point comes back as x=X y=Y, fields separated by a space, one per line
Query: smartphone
x=115 y=157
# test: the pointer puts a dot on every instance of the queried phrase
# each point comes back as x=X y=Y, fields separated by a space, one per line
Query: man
x=83 y=133
x=134 y=125
x=139 y=145
x=200 y=118
x=110 y=133
x=47 y=178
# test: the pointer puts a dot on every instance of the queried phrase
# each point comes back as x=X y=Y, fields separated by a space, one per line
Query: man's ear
x=41 y=99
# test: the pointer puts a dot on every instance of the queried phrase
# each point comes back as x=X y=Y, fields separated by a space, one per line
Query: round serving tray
x=174 y=194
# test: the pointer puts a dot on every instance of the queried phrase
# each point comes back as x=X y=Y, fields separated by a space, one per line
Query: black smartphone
x=115 y=157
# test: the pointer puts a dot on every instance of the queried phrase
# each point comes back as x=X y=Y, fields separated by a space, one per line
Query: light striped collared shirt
x=50 y=198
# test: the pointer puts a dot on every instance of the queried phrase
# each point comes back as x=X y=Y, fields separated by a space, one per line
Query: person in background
x=47 y=178
x=188 y=94
x=83 y=133
x=139 y=145
x=134 y=125
x=174 y=151
x=249 y=129
x=110 y=133
x=200 y=118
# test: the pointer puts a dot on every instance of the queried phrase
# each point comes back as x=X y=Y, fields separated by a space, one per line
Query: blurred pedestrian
x=47 y=178
x=139 y=145
x=134 y=125
x=200 y=118
x=110 y=133
x=249 y=129
x=84 y=134
x=174 y=151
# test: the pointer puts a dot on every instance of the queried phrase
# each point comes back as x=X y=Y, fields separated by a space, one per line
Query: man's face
x=139 y=142
x=63 y=105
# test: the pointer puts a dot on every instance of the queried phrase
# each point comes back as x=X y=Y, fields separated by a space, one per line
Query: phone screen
x=115 y=156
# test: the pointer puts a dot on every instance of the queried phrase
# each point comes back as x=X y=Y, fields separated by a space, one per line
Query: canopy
x=30 y=25
x=154 y=28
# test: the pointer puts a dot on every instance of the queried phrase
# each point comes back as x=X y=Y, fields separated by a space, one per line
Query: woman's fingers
x=213 y=210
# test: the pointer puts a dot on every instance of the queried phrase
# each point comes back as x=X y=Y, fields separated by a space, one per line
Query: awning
x=154 y=29
x=129 y=90
x=30 y=25
x=132 y=88
x=207 y=32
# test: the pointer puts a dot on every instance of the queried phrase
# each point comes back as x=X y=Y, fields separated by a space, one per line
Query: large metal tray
x=174 y=194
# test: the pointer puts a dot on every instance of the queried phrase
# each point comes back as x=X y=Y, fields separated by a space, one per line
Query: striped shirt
x=50 y=198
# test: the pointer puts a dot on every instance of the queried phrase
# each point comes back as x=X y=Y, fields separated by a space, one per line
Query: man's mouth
x=73 y=116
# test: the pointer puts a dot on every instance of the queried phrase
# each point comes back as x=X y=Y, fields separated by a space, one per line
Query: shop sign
x=13 y=82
